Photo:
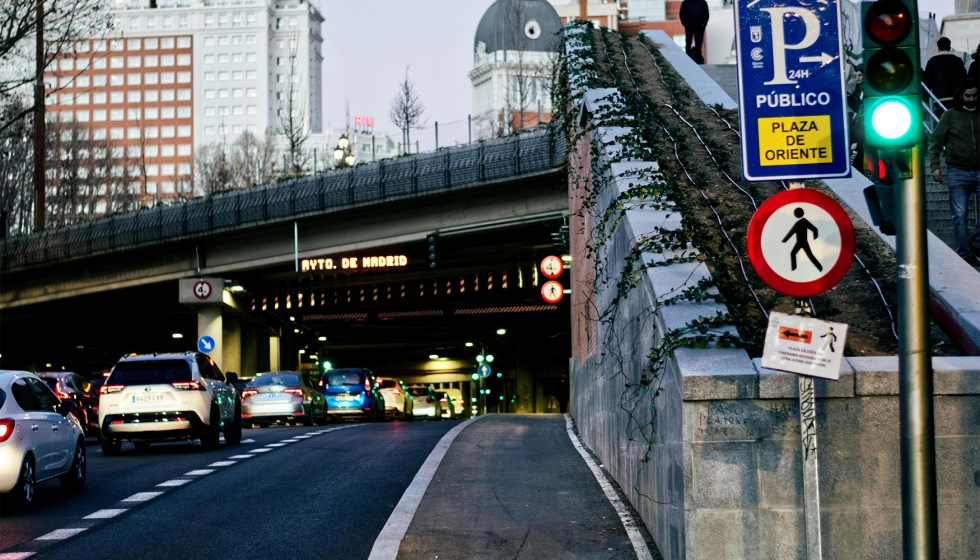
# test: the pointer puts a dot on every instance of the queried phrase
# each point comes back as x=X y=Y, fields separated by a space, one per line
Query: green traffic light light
x=473 y=399
x=479 y=358
x=891 y=119
x=501 y=397
x=500 y=375
x=489 y=357
x=475 y=376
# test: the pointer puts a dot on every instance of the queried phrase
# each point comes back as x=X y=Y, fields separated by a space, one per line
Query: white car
x=156 y=397
x=426 y=404
x=457 y=398
x=39 y=438
x=397 y=400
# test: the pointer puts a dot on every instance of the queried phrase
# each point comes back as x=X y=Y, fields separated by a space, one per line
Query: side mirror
x=67 y=407
x=231 y=376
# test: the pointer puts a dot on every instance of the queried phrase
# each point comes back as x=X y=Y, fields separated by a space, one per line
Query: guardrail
x=416 y=175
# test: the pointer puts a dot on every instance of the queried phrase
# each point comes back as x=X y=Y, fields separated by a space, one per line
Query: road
x=323 y=496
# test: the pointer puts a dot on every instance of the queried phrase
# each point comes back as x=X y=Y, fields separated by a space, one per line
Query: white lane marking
x=249 y=440
x=174 y=482
x=390 y=539
x=61 y=534
x=15 y=555
x=199 y=472
x=276 y=444
x=104 y=514
x=142 y=496
x=302 y=437
x=249 y=456
x=639 y=545
x=261 y=450
x=222 y=463
x=311 y=433
x=288 y=440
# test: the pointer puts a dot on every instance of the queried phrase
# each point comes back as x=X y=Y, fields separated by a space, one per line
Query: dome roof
x=539 y=24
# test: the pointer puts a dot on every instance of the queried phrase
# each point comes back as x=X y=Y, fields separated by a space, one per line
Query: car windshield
x=150 y=372
x=50 y=382
x=389 y=384
x=344 y=378
x=287 y=379
x=419 y=391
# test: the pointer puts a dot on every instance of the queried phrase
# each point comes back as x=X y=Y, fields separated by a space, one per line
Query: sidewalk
x=513 y=486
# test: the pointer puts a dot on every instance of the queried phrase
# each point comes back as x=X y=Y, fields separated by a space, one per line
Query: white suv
x=168 y=397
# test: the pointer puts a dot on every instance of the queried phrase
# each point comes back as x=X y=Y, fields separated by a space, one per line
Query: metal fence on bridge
x=416 y=175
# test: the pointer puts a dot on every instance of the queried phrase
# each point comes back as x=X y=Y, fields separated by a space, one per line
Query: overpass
x=85 y=294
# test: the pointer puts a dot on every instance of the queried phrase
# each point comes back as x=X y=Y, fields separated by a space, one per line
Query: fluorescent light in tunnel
x=322 y=339
x=433 y=356
x=177 y=335
x=501 y=332
x=468 y=345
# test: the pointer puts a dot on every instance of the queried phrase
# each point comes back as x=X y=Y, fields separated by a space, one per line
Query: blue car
x=352 y=393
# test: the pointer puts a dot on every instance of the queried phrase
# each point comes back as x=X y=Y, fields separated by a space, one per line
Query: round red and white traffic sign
x=552 y=291
x=801 y=242
x=552 y=266
x=202 y=289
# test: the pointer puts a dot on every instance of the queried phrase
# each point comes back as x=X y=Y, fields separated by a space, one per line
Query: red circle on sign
x=202 y=289
x=766 y=272
x=552 y=266
x=552 y=291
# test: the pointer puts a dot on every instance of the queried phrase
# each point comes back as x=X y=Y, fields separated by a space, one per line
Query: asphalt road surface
x=319 y=495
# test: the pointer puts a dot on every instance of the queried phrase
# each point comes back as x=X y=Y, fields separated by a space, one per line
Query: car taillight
x=320 y=383
x=59 y=390
x=187 y=385
x=110 y=389
x=294 y=392
x=442 y=400
x=367 y=384
x=396 y=391
x=106 y=373
x=249 y=392
x=6 y=428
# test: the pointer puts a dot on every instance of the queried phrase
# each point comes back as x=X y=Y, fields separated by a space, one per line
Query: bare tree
x=213 y=168
x=291 y=113
x=531 y=73
x=16 y=165
x=252 y=160
x=65 y=22
x=406 y=110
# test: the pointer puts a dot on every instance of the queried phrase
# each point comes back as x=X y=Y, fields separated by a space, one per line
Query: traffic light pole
x=920 y=534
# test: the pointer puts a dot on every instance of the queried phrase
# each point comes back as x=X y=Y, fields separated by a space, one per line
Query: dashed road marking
x=280 y=444
x=289 y=440
x=61 y=534
x=174 y=482
x=15 y=555
x=301 y=437
x=241 y=456
x=262 y=450
x=222 y=463
x=103 y=514
x=249 y=440
x=199 y=472
x=142 y=496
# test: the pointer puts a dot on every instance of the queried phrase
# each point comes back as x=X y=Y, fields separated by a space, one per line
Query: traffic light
x=892 y=99
x=892 y=107
x=430 y=243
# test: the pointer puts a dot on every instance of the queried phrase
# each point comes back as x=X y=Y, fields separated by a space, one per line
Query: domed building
x=514 y=50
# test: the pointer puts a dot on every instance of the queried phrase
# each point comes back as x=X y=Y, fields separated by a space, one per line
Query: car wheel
x=74 y=479
x=23 y=493
x=212 y=433
x=233 y=434
x=110 y=446
x=308 y=418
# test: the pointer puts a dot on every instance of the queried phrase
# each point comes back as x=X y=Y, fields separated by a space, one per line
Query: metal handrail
x=530 y=152
x=930 y=101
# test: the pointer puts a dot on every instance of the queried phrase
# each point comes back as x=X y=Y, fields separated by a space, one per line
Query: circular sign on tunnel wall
x=552 y=266
x=552 y=291
x=202 y=289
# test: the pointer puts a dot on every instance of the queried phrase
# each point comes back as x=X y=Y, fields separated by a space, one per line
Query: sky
x=367 y=45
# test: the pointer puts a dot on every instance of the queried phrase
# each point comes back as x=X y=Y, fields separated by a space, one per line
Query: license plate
x=271 y=395
x=147 y=398
x=344 y=398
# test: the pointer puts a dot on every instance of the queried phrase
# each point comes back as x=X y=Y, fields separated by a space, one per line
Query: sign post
x=792 y=107
x=801 y=243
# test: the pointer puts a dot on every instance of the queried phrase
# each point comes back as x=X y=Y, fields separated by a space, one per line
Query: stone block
x=957 y=416
x=958 y=470
x=782 y=535
x=717 y=374
x=724 y=534
x=956 y=375
x=741 y=420
x=875 y=375
x=780 y=474
x=725 y=475
x=959 y=531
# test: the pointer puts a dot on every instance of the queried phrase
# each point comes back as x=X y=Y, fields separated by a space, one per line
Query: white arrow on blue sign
x=483 y=370
x=205 y=344
x=792 y=97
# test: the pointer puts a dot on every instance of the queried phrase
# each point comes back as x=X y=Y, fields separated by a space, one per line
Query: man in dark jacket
x=694 y=18
x=944 y=72
x=958 y=132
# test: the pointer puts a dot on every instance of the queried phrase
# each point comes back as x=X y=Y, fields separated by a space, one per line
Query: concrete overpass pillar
x=274 y=353
x=231 y=345
x=210 y=323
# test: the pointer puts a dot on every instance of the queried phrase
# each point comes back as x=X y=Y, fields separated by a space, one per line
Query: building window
x=99 y=98
x=82 y=99
x=237 y=110
x=251 y=75
x=151 y=44
x=251 y=92
x=222 y=20
x=82 y=63
x=133 y=44
x=133 y=152
x=82 y=116
x=251 y=110
x=116 y=97
x=222 y=94
x=250 y=40
x=152 y=113
x=116 y=134
x=184 y=168
x=167 y=112
x=209 y=59
x=209 y=94
x=184 y=150
x=115 y=45
x=182 y=22
x=280 y=78
x=183 y=95
x=133 y=96
x=237 y=75
x=65 y=81
x=99 y=63
x=66 y=116
x=116 y=114
x=100 y=46
x=66 y=99
x=167 y=78
x=151 y=23
x=238 y=92
x=183 y=42
x=152 y=151
x=209 y=41
x=152 y=61
x=168 y=169
x=167 y=43
x=152 y=171
x=208 y=21
x=167 y=186
x=209 y=76
x=134 y=23
x=166 y=131
x=114 y=62
x=209 y=111
x=168 y=22
x=251 y=57
x=152 y=96
x=166 y=95
x=237 y=129
x=293 y=23
x=133 y=79
x=134 y=114
x=152 y=132
x=134 y=61
x=134 y=132
x=237 y=57
x=168 y=150
x=183 y=112
x=183 y=60
x=278 y=23
x=236 y=39
x=82 y=46
x=250 y=18
x=98 y=133
x=236 y=20
x=292 y=44
x=151 y=78
x=223 y=111
x=223 y=41
x=280 y=61
x=222 y=76
x=223 y=59
x=183 y=77
x=167 y=60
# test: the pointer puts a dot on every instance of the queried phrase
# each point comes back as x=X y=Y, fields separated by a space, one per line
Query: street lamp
x=343 y=154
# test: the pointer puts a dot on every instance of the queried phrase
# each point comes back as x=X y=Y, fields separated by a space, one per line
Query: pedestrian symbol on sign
x=802 y=241
x=829 y=340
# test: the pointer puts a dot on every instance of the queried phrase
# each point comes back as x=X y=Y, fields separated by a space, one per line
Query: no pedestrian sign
x=801 y=242
x=791 y=89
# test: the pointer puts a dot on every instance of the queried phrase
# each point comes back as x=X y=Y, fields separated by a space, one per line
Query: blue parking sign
x=792 y=101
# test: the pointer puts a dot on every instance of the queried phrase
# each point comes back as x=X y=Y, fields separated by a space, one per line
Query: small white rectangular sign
x=804 y=345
